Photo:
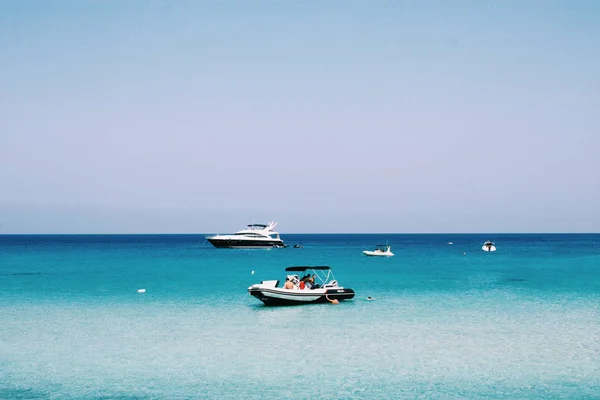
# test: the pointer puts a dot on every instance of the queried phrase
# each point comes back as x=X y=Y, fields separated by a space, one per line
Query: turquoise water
x=447 y=322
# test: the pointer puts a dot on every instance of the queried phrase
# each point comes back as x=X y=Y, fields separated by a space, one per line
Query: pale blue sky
x=328 y=116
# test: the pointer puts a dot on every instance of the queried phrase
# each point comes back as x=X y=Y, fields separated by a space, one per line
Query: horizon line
x=305 y=233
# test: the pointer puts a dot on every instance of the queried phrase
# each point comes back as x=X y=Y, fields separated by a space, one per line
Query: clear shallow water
x=522 y=322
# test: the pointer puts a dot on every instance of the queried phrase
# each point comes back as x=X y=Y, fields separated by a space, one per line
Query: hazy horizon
x=384 y=116
x=87 y=220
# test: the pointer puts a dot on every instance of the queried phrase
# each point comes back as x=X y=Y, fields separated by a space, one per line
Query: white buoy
x=141 y=290
x=252 y=272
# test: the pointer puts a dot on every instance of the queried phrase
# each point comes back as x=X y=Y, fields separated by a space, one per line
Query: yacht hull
x=244 y=243
x=288 y=297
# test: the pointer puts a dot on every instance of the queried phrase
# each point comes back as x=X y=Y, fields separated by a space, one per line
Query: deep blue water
x=448 y=321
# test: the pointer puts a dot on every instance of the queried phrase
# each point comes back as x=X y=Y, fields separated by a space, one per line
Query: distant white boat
x=488 y=246
x=382 y=250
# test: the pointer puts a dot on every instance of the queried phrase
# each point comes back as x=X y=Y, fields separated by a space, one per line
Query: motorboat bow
x=488 y=246
x=382 y=250
x=303 y=285
x=254 y=236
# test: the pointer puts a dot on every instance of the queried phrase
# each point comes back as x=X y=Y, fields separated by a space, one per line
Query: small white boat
x=317 y=285
x=488 y=246
x=382 y=250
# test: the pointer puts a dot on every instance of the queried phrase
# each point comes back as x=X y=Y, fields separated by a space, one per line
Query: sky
x=327 y=116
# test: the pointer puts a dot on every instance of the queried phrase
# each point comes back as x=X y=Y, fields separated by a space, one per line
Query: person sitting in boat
x=288 y=284
x=309 y=282
x=292 y=282
x=303 y=281
x=312 y=283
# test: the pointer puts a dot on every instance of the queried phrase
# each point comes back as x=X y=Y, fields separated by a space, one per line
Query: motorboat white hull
x=280 y=296
x=229 y=243
x=378 y=253
x=488 y=248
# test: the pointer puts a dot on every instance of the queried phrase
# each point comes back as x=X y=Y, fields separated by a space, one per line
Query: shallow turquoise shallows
x=448 y=321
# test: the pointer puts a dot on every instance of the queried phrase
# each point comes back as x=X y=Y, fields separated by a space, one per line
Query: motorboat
x=489 y=246
x=382 y=250
x=303 y=285
x=255 y=236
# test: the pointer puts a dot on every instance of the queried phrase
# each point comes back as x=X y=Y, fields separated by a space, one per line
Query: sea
x=447 y=320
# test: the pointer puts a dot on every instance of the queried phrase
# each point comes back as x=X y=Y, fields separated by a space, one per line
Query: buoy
x=141 y=290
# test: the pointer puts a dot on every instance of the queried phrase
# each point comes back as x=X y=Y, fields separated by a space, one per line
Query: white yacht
x=254 y=236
